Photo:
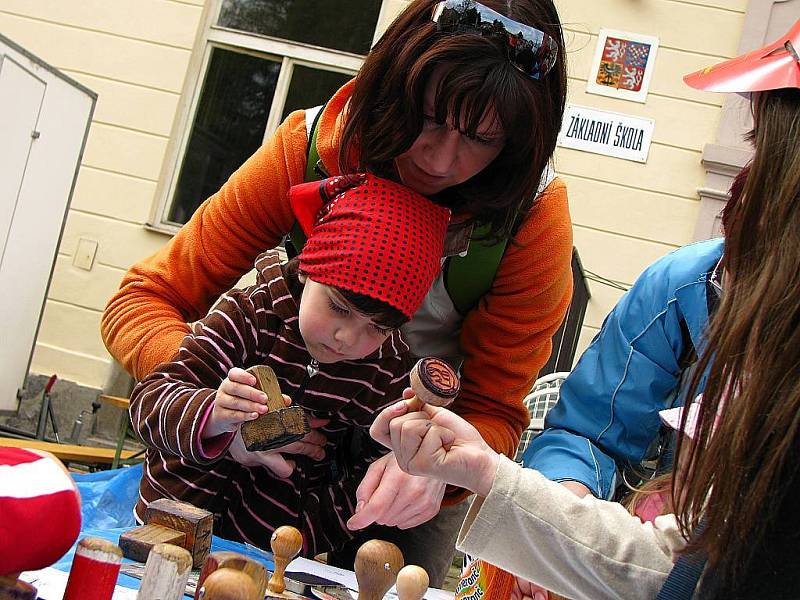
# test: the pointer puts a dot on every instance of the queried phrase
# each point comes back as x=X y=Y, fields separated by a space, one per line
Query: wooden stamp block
x=281 y=425
x=194 y=522
x=137 y=543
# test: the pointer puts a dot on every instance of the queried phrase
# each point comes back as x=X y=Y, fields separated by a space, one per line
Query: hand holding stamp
x=281 y=425
x=434 y=382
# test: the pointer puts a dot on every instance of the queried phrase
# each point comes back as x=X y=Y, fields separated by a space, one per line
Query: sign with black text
x=605 y=132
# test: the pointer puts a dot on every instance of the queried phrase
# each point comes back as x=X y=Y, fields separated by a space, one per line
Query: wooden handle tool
x=377 y=564
x=434 y=382
x=286 y=542
x=228 y=584
x=268 y=383
x=165 y=573
x=94 y=572
x=281 y=425
x=225 y=559
x=412 y=583
x=12 y=588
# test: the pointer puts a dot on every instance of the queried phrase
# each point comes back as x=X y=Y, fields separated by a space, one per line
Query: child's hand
x=237 y=401
x=312 y=445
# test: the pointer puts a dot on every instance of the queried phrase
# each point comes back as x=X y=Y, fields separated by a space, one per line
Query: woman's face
x=442 y=156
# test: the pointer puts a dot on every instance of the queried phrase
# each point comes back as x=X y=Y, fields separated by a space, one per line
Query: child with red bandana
x=327 y=323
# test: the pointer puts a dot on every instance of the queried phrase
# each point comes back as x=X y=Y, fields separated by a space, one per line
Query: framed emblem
x=623 y=65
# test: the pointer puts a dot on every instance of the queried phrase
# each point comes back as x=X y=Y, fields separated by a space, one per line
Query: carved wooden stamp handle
x=434 y=382
x=268 y=383
x=376 y=566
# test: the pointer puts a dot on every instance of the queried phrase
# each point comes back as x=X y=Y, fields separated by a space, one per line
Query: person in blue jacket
x=607 y=414
x=736 y=483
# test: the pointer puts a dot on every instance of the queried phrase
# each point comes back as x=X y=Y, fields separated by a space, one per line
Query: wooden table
x=91 y=455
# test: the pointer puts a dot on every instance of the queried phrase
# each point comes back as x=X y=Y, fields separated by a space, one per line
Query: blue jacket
x=608 y=407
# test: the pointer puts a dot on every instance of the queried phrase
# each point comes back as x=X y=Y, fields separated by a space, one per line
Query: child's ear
x=302 y=277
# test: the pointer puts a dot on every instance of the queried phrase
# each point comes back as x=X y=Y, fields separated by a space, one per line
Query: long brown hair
x=738 y=470
x=385 y=114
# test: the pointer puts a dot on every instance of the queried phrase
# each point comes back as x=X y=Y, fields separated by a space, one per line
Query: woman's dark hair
x=743 y=458
x=385 y=113
x=382 y=313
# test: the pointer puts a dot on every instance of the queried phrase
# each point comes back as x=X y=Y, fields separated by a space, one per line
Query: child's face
x=333 y=330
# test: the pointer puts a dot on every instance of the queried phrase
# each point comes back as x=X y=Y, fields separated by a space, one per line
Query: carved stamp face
x=439 y=377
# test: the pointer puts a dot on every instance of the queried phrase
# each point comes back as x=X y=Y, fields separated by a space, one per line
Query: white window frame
x=287 y=52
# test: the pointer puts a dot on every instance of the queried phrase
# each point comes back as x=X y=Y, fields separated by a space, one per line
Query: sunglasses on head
x=531 y=51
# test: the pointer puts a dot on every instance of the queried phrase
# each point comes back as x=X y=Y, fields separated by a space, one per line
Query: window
x=335 y=24
x=262 y=60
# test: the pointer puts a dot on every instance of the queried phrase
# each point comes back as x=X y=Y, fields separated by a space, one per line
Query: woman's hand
x=237 y=401
x=435 y=442
x=389 y=496
x=312 y=445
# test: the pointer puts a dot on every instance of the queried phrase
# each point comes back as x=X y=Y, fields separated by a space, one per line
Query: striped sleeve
x=169 y=406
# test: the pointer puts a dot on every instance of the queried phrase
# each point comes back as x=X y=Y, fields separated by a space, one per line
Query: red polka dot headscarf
x=371 y=236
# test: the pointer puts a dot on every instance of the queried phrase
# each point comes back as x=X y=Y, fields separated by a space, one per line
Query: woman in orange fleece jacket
x=463 y=105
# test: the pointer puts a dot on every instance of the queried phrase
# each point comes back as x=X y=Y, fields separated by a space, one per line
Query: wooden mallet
x=434 y=382
x=286 y=542
x=170 y=522
x=166 y=573
x=281 y=425
x=233 y=560
x=376 y=566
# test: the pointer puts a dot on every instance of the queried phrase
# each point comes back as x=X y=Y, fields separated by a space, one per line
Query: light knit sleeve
x=581 y=548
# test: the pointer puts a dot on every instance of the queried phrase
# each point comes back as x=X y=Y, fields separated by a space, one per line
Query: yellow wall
x=135 y=54
x=626 y=214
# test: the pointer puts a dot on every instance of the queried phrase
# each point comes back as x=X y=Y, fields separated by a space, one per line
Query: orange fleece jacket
x=505 y=339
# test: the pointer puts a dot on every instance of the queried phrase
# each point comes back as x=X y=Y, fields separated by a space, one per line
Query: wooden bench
x=117 y=401
x=91 y=455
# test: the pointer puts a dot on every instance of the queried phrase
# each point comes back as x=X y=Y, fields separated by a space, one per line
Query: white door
x=44 y=119
x=21 y=95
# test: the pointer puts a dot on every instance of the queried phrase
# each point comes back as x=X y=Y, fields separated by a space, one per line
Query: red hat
x=769 y=68
x=371 y=236
x=40 y=514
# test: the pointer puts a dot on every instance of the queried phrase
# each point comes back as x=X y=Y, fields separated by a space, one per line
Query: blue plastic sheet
x=108 y=497
x=107 y=501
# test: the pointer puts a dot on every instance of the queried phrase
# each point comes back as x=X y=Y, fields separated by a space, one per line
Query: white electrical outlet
x=85 y=253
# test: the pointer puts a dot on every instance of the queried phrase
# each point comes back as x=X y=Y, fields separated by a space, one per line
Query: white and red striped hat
x=40 y=512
